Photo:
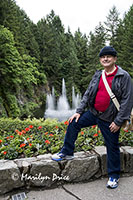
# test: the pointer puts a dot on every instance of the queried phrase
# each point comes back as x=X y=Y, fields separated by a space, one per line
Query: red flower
x=99 y=131
x=20 y=133
x=7 y=137
x=28 y=138
x=23 y=131
x=30 y=144
x=47 y=141
x=125 y=130
x=22 y=145
x=39 y=127
x=66 y=122
x=95 y=135
x=51 y=135
x=0 y=141
x=11 y=136
x=5 y=152
x=82 y=132
x=27 y=129
x=46 y=133
x=56 y=127
x=30 y=126
x=94 y=126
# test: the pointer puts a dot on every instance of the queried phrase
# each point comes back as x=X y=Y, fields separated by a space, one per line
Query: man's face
x=108 y=60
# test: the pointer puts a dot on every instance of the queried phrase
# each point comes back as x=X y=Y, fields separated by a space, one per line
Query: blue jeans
x=111 y=140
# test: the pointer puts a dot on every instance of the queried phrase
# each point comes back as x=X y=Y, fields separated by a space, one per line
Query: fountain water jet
x=63 y=110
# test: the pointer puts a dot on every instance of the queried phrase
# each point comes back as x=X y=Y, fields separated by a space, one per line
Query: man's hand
x=113 y=127
x=76 y=115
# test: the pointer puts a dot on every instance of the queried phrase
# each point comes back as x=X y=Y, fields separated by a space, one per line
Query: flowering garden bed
x=34 y=137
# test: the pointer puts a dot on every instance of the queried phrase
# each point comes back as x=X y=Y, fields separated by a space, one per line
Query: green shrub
x=38 y=136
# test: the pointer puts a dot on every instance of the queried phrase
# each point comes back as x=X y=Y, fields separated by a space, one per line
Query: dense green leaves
x=17 y=73
x=10 y=61
x=126 y=45
x=28 y=138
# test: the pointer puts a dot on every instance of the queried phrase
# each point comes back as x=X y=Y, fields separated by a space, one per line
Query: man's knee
x=75 y=124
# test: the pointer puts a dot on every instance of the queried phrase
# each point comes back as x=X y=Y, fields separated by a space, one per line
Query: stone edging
x=41 y=171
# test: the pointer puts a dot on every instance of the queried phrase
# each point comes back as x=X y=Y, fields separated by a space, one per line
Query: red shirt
x=102 y=99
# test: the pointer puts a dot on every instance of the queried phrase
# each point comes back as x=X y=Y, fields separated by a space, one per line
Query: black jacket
x=122 y=87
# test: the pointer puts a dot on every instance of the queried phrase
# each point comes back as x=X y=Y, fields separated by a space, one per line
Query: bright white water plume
x=61 y=110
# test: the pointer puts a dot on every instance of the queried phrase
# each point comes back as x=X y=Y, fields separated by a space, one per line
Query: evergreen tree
x=70 y=63
x=112 y=25
x=96 y=42
x=21 y=27
x=26 y=36
x=81 y=44
x=50 y=30
x=125 y=42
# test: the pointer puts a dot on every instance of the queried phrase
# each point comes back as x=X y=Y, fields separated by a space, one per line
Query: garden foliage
x=28 y=138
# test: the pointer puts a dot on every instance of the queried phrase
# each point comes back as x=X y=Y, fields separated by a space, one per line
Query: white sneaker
x=112 y=183
x=61 y=156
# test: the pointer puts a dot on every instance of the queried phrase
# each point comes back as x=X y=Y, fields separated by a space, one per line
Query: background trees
x=125 y=42
x=35 y=57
